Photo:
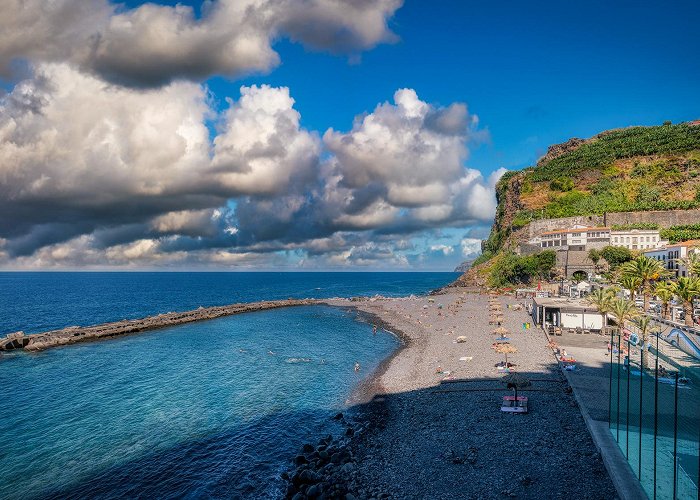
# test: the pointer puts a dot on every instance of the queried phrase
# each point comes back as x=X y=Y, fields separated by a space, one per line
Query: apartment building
x=673 y=255
x=636 y=239
x=576 y=238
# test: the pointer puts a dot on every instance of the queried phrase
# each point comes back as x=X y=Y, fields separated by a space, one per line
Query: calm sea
x=210 y=409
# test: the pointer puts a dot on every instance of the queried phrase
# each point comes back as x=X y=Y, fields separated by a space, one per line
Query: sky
x=306 y=134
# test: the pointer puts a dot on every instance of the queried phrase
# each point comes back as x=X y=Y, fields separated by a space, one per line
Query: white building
x=586 y=238
x=636 y=239
x=672 y=256
x=576 y=238
x=566 y=313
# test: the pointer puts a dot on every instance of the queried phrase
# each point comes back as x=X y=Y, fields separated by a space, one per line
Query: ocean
x=213 y=409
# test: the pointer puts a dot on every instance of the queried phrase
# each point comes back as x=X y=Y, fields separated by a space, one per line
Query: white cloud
x=410 y=157
x=471 y=247
x=98 y=175
x=152 y=45
x=443 y=249
x=262 y=149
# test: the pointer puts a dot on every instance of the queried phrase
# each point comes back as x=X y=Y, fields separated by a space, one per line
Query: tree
x=624 y=310
x=687 y=289
x=579 y=276
x=616 y=256
x=595 y=256
x=664 y=291
x=691 y=263
x=646 y=270
x=631 y=283
x=602 y=298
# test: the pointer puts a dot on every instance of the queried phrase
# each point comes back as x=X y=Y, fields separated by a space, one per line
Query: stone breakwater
x=75 y=334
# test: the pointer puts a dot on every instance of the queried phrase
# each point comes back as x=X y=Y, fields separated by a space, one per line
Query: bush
x=511 y=269
x=647 y=195
x=562 y=184
x=616 y=256
x=681 y=233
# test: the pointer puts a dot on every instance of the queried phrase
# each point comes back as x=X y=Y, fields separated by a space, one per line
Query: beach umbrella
x=461 y=339
x=506 y=349
x=500 y=331
x=516 y=381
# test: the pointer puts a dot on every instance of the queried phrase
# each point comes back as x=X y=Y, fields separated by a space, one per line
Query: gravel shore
x=432 y=425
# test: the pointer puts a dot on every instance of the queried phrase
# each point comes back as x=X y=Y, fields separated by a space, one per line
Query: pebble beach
x=428 y=423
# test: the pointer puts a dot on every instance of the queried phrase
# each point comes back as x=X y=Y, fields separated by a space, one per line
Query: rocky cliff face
x=464 y=266
x=557 y=150
x=636 y=169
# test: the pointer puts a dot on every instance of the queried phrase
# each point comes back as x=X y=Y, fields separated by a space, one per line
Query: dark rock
x=308 y=448
x=313 y=491
x=300 y=460
x=338 y=416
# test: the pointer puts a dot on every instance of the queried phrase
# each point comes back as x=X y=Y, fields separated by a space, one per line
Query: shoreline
x=410 y=436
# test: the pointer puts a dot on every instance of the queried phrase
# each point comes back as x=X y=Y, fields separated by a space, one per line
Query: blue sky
x=282 y=139
x=536 y=73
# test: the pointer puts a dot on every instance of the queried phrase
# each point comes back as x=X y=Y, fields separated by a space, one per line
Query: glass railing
x=655 y=412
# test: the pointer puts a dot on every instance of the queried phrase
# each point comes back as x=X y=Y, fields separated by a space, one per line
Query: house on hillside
x=636 y=239
x=673 y=256
x=583 y=238
x=577 y=238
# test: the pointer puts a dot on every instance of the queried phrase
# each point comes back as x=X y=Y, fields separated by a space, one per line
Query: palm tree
x=602 y=298
x=624 y=310
x=631 y=283
x=687 y=289
x=691 y=263
x=664 y=291
x=646 y=270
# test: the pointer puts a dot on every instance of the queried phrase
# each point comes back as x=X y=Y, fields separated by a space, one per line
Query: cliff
x=610 y=178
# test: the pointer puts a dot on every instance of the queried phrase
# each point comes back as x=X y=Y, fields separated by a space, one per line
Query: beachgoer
x=357 y=366
x=374 y=329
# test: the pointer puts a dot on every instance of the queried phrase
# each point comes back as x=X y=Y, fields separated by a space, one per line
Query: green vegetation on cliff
x=625 y=170
x=628 y=170
x=513 y=269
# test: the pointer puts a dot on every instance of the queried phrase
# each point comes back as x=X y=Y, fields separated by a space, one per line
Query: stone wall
x=538 y=227
x=664 y=219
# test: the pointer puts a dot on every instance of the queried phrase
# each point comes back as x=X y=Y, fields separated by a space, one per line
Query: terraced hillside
x=624 y=170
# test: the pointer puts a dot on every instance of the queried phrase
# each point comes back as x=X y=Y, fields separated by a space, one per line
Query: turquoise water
x=212 y=409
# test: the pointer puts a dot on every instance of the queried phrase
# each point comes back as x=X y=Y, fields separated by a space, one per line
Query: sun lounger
x=510 y=405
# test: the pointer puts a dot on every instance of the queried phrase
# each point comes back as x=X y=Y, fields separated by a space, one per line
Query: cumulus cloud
x=152 y=45
x=404 y=163
x=96 y=174
x=262 y=149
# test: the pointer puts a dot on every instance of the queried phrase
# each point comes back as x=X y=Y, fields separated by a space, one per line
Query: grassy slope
x=632 y=169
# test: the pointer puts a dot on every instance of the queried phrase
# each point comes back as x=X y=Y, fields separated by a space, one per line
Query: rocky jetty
x=74 y=334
